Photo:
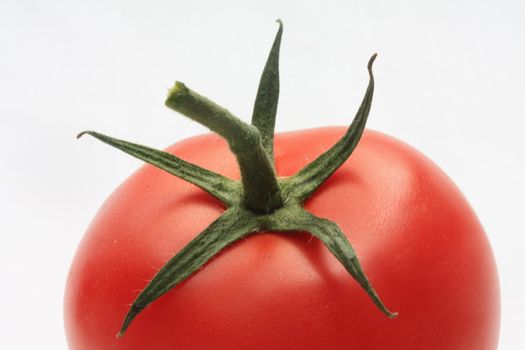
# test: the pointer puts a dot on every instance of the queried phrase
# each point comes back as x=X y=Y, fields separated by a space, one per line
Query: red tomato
x=418 y=240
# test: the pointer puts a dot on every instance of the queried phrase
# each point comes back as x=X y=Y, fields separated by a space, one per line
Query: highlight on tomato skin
x=247 y=238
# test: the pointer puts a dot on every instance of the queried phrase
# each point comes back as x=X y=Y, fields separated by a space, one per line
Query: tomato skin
x=418 y=241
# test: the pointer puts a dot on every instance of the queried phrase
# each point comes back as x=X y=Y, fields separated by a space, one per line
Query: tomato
x=263 y=241
x=418 y=240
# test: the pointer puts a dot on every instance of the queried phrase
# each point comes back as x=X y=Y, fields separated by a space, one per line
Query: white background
x=450 y=81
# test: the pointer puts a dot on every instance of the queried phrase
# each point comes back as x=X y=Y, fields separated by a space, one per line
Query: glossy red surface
x=417 y=239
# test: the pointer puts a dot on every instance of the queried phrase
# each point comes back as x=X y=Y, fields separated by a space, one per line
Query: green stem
x=261 y=190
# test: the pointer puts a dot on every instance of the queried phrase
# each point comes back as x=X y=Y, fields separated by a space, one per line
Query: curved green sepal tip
x=265 y=107
x=307 y=180
x=232 y=225
x=222 y=188
x=333 y=238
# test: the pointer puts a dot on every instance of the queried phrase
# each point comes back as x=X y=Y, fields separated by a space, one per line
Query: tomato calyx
x=260 y=201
